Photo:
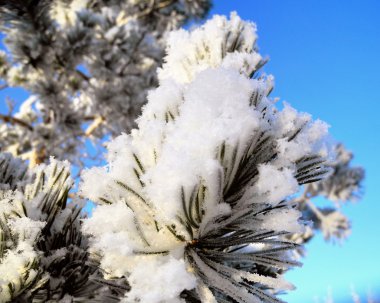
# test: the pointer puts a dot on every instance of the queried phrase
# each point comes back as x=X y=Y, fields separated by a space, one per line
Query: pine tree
x=198 y=203
x=87 y=64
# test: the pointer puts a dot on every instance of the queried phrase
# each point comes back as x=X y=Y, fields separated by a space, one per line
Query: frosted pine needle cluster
x=193 y=204
x=18 y=258
x=43 y=254
x=344 y=184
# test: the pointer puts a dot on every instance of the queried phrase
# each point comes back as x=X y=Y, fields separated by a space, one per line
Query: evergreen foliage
x=344 y=184
x=44 y=254
x=88 y=65
x=197 y=195
x=199 y=200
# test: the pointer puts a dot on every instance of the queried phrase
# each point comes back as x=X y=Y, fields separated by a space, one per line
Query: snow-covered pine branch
x=195 y=199
x=344 y=184
x=43 y=253
x=84 y=61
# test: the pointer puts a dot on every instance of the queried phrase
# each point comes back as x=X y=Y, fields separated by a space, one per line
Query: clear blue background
x=324 y=55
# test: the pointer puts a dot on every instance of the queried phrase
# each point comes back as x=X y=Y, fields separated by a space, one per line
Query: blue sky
x=324 y=55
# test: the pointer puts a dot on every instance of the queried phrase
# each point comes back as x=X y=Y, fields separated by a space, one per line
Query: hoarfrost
x=275 y=184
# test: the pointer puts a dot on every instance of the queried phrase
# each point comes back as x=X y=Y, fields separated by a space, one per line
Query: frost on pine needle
x=233 y=45
x=18 y=258
x=334 y=224
x=12 y=172
x=18 y=233
x=343 y=184
x=192 y=205
x=43 y=254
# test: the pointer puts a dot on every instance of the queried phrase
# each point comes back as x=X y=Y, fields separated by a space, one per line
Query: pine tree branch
x=4 y=86
x=94 y=125
x=16 y=121
x=82 y=75
x=148 y=10
x=314 y=209
x=164 y=4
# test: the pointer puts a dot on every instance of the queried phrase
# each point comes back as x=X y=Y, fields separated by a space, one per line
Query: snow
x=20 y=255
x=12 y=267
x=167 y=279
x=275 y=184
x=66 y=14
x=201 y=52
x=213 y=112
x=26 y=229
x=282 y=220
